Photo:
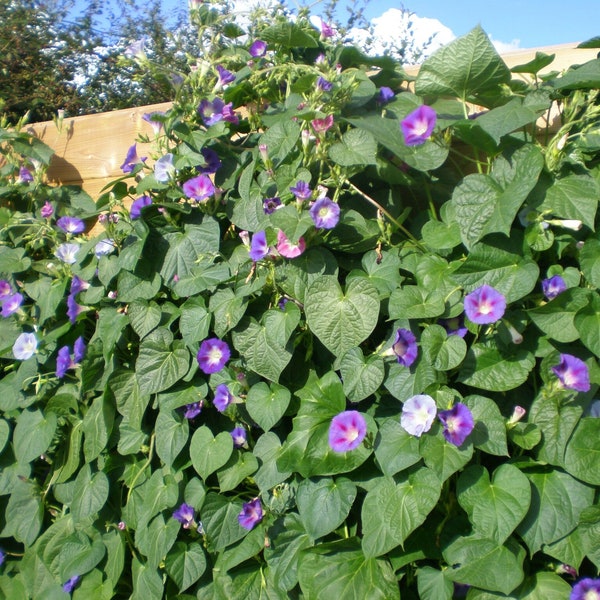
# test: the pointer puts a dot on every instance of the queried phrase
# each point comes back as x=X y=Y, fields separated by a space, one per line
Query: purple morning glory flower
x=252 y=513
x=199 y=188
x=164 y=169
x=5 y=288
x=192 y=410
x=136 y=208
x=323 y=85
x=25 y=175
x=79 y=349
x=418 y=125
x=573 y=373
x=327 y=30
x=212 y=160
x=78 y=284
x=301 y=190
x=104 y=247
x=67 y=253
x=215 y=111
x=71 y=224
x=418 y=413
x=258 y=246
x=458 y=423
x=270 y=205
x=73 y=309
x=347 y=431
x=212 y=355
x=225 y=76
x=131 y=160
x=385 y=95
x=185 y=515
x=223 y=397
x=586 y=589
x=239 y=437
x=258 y=48
x=155 y=124
x=325 y=213
x=2 y=557
x=11 y=304
x=135 y=49
x=405 y=347
x=553 y=286
x=47 y=210
x=63 y=361
x=485 y=305
x=70 y=585
x=25 y=346
x=454 y=326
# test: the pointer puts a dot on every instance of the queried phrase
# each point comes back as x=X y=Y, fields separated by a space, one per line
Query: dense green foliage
x=100 y=451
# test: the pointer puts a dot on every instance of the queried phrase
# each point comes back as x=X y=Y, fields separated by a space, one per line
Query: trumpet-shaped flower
x=132 y=160
x=212 y=162
x=11 y=304
x=485 y=305
x=47 y=210
x=347 y=431
x=553 y=286
x=5 y=288
x=257 y=49
x=136 y=208
x=104 y=247
x=67 y=253
x=586 y=589
x=225 y=76
x=73 y=308
x=270 y=205
x=192 y=410
x=322 y=125
x=215 y=111
x=79 y=349
x=153 y=121
x=418 y=413
x=223 y=397
x=385 y=95
x=454 y=326
x=212 y=355
x=323 y=85
x=418 y=125
x=71 y=584
x=25 y=346
x=251 y=515
x=458 y=423
x=71 y=224
x=239 y=437
x=25 y=175
x=405 y=347
x=325 y=213
x=77 y=285
x=573 y=373
x=287 y=248
x=301 y=190
x=185 y=515
x=199 y=188
x=164 y=169
x=66 y=361
x=259 y=248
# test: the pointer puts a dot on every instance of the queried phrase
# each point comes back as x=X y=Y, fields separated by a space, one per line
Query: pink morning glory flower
x=192 y=410
x=301 y=190
x=67 y=253
x=212 y=355
x=131 y=160
x=259 y=248
x=47 y=210
x=485 y=305
x=458 y=423
x=286 y=248
x=25 y=346
x=239 y=437
x=322 y=125
x=553 y=286
x=418 y=413
x=223 y=397
x=136 y=208
x=199 y=188
x=325 y=213
x=71 y=224
x=252 y=514
x=71 y=584
x=573 y=373
x=11 y=304
x=347 y=431
x=418 y=125
x=405 y=347
x=586 y=589
x=185 y=515
x=164 y=169
x=258 y=48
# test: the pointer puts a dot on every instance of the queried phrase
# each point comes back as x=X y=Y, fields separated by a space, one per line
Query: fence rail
x=90 y=149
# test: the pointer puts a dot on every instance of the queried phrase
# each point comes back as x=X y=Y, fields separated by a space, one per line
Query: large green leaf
x=414 y=302
x=391 y=511
x=267 y=404
x=341 y=320
x=220 y=521
x=97 y=426
x=440 y=456
x=324 y=504
x=157 y=538
x=587 y=323
x=467 y=68
x=209 y=452
x=489 y=433
x=361 y=376
x=582 y=457
x=433 y=584
x=90 y=493
x=288 y=35
x=495 y=507
x=485 y=204
x=172 y=432
x=33 y=433
x=442 y=351
x=395 y=449
x=185 y=564
x=357 y=147
x=266 y=450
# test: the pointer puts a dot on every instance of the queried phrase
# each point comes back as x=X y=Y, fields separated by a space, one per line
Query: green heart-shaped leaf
x=208 y=453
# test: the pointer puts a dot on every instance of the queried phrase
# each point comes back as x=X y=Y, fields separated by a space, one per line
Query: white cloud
x=503 y=47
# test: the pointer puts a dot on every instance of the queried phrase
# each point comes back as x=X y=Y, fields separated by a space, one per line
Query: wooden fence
x=90 y=149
